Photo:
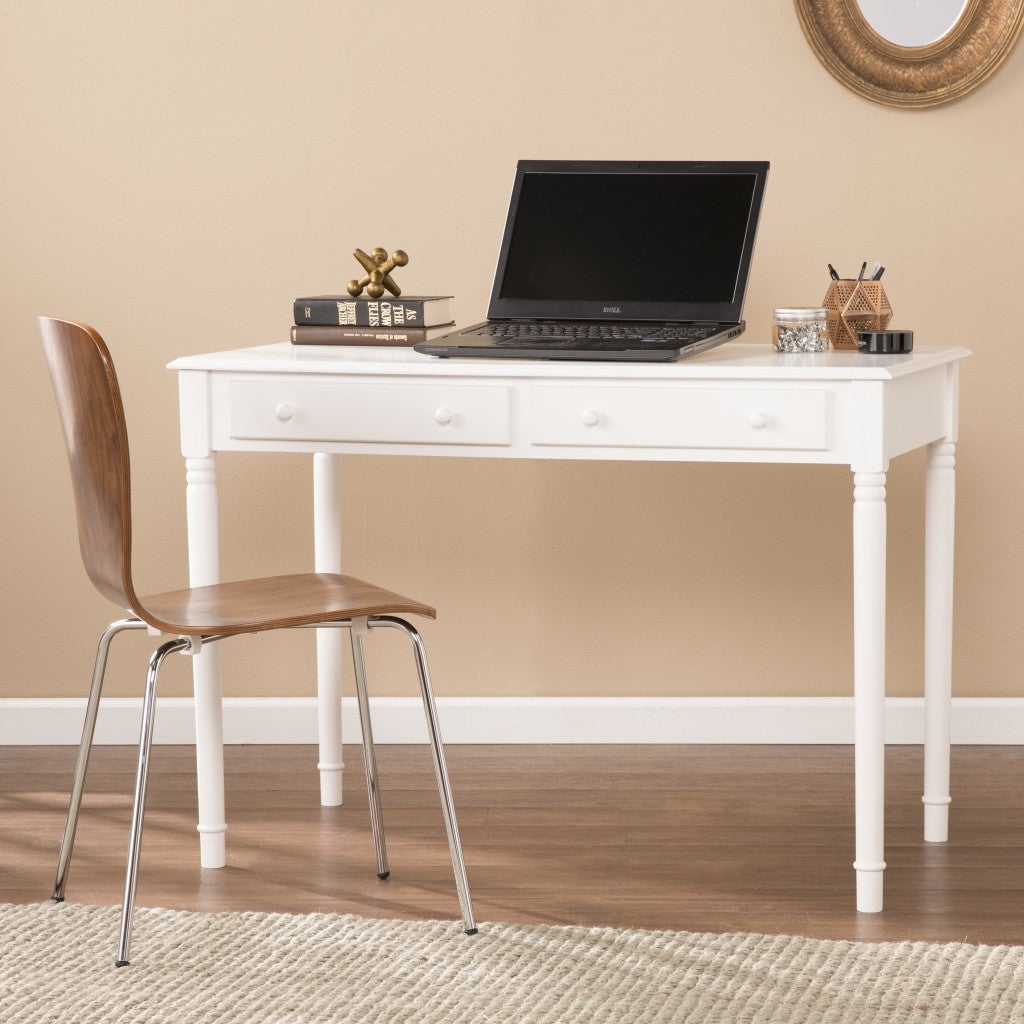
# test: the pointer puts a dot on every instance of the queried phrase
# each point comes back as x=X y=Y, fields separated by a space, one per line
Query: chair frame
x=106 y=552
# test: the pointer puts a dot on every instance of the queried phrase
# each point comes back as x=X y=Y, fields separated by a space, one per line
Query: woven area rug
x=56 y=965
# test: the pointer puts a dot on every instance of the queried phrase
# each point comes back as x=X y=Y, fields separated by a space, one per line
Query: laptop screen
x=630 y=241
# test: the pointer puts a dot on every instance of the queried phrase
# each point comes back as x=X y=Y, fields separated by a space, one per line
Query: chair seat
x=275 y=602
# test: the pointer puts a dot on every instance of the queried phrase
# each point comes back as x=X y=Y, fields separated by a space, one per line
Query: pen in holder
x=854 y=306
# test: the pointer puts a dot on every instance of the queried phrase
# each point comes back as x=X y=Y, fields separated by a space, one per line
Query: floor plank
x=699 y=838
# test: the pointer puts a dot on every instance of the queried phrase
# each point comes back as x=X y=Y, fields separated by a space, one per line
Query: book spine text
x=360 y=313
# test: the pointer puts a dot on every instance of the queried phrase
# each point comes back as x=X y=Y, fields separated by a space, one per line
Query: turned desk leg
x=869 y=528
x=327 y=558
x=204 y=570
x=940 y=494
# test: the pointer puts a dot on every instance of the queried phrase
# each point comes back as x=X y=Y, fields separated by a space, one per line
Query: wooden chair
x=92 y=416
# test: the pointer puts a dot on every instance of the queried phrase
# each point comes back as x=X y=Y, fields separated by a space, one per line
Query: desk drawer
x=699 y=417
x=386 y=413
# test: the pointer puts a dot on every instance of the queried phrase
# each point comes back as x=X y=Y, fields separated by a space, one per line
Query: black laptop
x=619 y=260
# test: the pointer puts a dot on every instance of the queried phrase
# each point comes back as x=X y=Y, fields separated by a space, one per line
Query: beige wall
x=176 y=174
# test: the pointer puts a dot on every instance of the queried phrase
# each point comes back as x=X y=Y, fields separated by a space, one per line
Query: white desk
x=738 y=403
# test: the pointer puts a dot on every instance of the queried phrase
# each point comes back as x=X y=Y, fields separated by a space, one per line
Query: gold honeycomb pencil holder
x=853 y=306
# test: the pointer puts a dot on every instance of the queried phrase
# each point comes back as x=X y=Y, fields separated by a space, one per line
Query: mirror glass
x=912 y=22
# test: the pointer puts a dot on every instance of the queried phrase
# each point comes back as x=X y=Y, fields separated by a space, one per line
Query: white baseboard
x=975 y=720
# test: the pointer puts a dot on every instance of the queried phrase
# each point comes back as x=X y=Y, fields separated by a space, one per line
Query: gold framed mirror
x=976 y=39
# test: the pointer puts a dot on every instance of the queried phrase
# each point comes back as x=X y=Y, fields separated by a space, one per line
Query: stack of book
x=342 y=320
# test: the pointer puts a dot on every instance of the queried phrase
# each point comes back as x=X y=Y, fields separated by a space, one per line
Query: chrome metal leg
x=369 y=758
x=138 y=809
x=443 y=785
x=67 y=844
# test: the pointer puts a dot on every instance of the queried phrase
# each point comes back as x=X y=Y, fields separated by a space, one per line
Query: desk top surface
x=728 y=362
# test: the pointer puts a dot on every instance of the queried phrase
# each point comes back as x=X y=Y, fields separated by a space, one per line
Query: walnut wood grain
x=96 y=437
x=92 y=418
x=275 y=602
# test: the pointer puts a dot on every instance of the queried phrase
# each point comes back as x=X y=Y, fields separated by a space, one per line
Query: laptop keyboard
x=569 y=333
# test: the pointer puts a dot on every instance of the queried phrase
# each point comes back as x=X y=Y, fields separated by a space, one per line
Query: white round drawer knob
x=758 y=420
x=443 y=416
x=284 y=412
x=590 y=418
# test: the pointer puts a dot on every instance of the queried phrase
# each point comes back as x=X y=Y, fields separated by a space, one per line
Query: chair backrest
x=91 y=414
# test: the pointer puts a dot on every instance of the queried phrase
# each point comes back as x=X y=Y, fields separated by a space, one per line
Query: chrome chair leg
x=443 y=785
x=67 y=843
x=369 y=758
x=138 y=808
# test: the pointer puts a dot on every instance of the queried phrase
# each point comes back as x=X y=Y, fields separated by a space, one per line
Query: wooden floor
x=699 y=838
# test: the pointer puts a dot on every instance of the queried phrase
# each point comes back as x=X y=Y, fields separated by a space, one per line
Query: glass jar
x=800 y=330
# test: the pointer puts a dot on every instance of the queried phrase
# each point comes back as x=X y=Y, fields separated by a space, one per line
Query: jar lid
x=801 y=313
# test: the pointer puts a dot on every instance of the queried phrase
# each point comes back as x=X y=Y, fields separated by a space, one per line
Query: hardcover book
x=309 y=334
x=344 y=311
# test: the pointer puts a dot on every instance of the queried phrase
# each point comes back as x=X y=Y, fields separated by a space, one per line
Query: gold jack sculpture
x=378 y=266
